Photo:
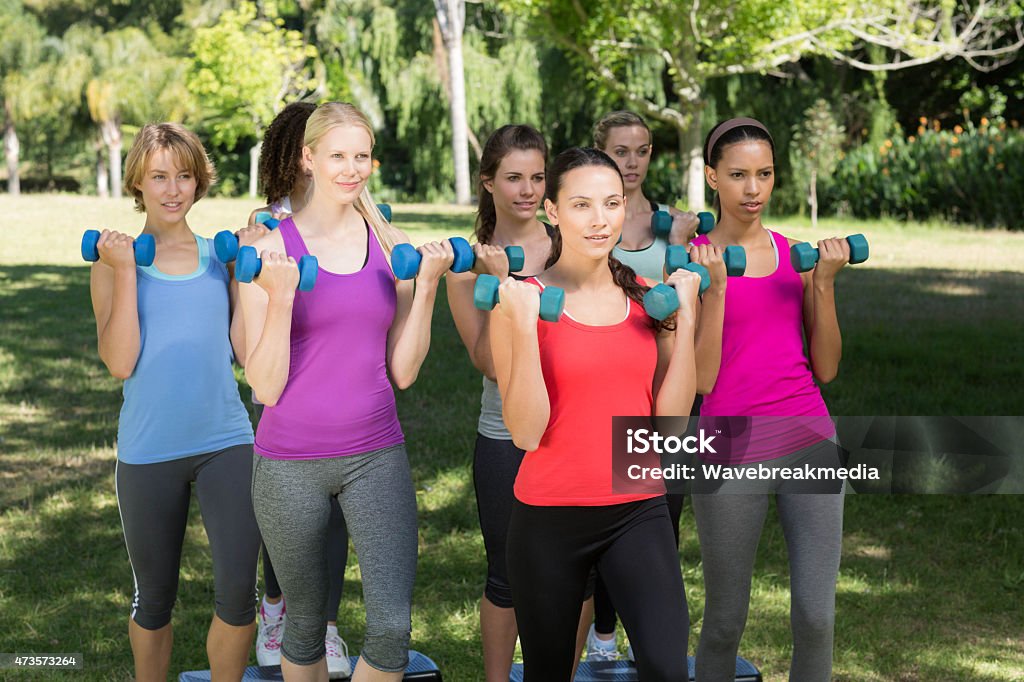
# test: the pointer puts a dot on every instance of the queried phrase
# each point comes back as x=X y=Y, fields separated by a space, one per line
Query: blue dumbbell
x=406 y=259
x=735 y=258
x=385 y=210
x=661 y=223
x=662 y=299
x=804 y=256
x=485 y=297
x=250 y=264
x=225 y=243
x=144 y=246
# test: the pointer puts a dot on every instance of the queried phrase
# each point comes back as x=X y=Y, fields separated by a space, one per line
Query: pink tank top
x=338 y=399
x=765 y=371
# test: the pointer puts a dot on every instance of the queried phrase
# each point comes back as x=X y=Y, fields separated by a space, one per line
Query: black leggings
x=153 y=500
x=551 y=551
x=604 y=610
x=605 y=616
x=337 y=552
x=495 y=465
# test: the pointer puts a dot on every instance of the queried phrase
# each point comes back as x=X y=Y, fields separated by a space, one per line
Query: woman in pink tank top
x=754 y=371
x=323 y=362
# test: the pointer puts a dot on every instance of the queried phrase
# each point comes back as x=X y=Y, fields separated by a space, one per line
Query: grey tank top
x=491 y=424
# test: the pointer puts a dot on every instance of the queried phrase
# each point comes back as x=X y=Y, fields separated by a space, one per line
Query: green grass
x=931 y=587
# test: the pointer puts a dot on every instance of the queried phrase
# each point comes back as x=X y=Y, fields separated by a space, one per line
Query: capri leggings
x=153 y=500
x=551 y=551
x=293 y=507
x=729 y=527
x=337 y=553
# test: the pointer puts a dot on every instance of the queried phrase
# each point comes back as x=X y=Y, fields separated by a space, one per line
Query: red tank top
x=591 y=374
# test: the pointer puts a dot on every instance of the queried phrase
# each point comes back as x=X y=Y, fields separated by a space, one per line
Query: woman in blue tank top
x=165 y=330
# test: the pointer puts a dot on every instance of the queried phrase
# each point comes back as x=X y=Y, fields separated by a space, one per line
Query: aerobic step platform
x=625 y=671
x=421 y=669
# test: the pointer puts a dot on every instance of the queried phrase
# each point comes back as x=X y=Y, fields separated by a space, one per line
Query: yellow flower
x=957 y=129
x=955 y=139
x=923 y=120
x=888 y=144
x=984 y=121
x=911 y=138
x=920 y=130
x=936 y=126
x=376 y=163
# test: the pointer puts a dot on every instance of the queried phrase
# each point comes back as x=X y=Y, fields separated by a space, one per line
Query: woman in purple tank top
x=752 y=365
x=323 y=361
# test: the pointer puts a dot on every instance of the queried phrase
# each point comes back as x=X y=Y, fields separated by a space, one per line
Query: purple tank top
x=765 y=372
x=338 y=399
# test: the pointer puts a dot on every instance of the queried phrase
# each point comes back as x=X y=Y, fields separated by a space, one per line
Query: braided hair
x=623 y=275
x=282 y=150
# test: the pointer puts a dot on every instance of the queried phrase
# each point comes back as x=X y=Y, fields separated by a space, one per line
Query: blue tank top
x=182 y=398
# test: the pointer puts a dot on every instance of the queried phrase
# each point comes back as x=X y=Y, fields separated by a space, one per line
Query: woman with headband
x=751 y=364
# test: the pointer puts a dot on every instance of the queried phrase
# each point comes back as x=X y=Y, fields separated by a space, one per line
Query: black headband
x=725 y=127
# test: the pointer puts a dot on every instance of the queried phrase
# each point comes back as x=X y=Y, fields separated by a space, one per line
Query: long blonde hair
x=331 y=115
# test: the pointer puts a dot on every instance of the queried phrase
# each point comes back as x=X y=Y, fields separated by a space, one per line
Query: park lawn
x=930 y=588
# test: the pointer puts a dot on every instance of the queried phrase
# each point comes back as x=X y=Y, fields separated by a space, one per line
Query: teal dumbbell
x=804 y=256
x=250 y=264
x=144 y=247
x=385 y=210
x=406 y=259
x=735 y=258
x=662 y=299
x=225 y=243
x=485 y=297
x=661 y=223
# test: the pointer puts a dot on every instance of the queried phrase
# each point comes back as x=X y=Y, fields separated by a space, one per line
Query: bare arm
x=526 y=409
x=473 y=324
x=675 y=380
x=115 y=302
x=710 y=317
x=821 y=323
x=267 y=316
x=409 y=336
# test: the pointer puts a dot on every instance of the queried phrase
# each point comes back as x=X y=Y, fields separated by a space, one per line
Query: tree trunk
x=11 y=151
x=110 y=131
x=812 y=199
x=254 y=168
x=691 y=152
x=102 y=179
x=450 y=18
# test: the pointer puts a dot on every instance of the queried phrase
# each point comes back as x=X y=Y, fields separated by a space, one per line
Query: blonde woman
x=321 y=362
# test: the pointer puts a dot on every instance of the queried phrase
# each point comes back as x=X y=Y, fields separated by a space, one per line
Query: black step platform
x=420 y=668
x=625 y=671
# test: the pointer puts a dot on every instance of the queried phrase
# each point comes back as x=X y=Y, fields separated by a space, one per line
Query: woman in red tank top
x=560 y=385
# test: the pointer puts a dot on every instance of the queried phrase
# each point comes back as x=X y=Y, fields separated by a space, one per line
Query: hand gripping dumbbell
x=485 y=297
x=804 y=256
x=144 y=246
x=662 y=299
x=225 y=243
x=250 y=264
x=405 y=258
x=661 y=223
x=735 y=258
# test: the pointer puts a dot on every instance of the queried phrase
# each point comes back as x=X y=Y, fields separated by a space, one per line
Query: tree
x=815 y=150
x=451 y=21
x=122 y=78
x=20 y=51
x=659 y=55
x=246 y=67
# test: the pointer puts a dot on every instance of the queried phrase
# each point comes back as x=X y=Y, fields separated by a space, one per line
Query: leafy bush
x=972 y=174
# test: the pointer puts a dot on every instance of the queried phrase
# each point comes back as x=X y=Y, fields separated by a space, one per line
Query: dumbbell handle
x=144 y=247
x=250 y=265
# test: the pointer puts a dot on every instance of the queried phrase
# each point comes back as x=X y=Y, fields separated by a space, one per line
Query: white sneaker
x=338 y=664
x=600 y=650
x=269 y=638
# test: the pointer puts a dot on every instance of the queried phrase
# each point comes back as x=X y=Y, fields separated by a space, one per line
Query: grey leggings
x=293 y=506
x=729 y=527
